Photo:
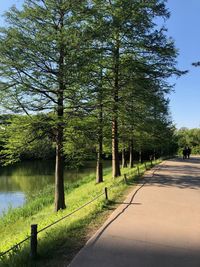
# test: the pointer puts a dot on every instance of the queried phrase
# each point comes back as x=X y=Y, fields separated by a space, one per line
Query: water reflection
x=11 y=199
x=19 y=180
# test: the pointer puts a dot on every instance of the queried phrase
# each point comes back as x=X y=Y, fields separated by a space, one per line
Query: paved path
x=157 y=226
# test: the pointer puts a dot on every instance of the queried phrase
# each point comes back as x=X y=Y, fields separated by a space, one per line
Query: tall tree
x=131 y=40
x=40 y=60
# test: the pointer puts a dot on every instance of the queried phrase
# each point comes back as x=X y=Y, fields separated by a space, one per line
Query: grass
x=59 y=243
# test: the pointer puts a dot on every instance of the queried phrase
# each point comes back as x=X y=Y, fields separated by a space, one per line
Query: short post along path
x=157 y=226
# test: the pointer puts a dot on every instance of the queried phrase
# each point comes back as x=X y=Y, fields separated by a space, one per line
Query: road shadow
x=192 y=159
x=125 y=253
x=182 y=174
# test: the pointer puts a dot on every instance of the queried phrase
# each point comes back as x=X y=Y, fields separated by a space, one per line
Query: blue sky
x=6 y=4
x=184 y=27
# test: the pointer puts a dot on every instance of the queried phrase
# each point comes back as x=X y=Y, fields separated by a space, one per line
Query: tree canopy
x=86 y=77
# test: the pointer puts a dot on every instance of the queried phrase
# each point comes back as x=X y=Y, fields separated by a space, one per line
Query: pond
x=21 y=179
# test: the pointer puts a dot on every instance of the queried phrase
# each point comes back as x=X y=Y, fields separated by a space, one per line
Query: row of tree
x=87 y=74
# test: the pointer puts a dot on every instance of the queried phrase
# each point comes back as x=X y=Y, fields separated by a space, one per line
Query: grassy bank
x=59 y=243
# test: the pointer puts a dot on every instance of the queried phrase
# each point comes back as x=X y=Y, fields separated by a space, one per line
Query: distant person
x=185 y=152
x=188 y=152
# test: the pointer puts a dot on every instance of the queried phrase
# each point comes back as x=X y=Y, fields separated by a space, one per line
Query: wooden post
x=33 y=244
x=125 y=178
x=151 y=163
x=106 y=193
x=138 y=170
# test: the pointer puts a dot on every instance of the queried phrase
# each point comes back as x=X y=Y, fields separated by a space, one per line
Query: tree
x=131 y=41
x=40 y=61
x=107 y=60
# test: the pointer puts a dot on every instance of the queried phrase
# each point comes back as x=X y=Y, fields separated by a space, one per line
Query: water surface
x=24 y=178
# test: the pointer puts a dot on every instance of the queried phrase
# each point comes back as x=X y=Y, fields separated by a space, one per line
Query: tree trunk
x=99 y=169
x=154 y=154
x=131 y=155
x=140 y=156
x=59 y=169
x=59 y=172
x=115 y=150
x=124 y=163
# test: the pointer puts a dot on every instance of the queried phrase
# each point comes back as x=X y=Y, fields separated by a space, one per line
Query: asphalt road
x=158 y=225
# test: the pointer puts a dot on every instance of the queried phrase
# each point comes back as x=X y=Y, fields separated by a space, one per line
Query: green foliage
x=26 y=137
x=134 y=57
x=74 y=60
x=79 y=140
x=189 y=137
x=83 y=73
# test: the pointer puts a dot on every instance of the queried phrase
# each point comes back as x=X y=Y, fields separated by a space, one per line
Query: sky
x=184 y=27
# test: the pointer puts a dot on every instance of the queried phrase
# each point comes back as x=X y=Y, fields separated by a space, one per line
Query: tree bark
x=59 y=172
x=59 y=169
x=131 y=155
x=124 y=162
x=115 y=150
x=140 y=156
x=154 y=154
x=99 y=168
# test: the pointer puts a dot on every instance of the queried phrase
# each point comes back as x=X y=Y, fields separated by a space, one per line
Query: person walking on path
x=188 y=152
x=185 y=152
